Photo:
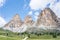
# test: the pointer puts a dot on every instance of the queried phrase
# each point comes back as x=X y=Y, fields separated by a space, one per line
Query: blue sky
x=11 y=7
x=8 y=8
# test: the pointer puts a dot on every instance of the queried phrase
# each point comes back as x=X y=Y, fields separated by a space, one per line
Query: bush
x=54 y=36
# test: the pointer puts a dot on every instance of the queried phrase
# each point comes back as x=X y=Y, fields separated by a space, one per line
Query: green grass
x=15 y=36
x=9 y=38
x=33 y=37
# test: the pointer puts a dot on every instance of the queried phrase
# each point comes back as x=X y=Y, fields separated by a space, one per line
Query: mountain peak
x=15 y=22
x=28 y=20
x=47 y=17
x=47 y=11
x=16 y=16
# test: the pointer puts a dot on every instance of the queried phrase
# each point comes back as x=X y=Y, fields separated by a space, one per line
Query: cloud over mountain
x=2 y=22
x=41 y=4
x=2 y=2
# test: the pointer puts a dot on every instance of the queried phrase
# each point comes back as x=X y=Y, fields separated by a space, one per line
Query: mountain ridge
x=46 y=20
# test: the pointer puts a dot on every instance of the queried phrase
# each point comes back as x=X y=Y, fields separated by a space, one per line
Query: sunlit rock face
x=14 y=24
x=47 y=18
x=28 y=20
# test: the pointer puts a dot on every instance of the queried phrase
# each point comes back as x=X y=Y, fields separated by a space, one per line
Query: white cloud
x=30 y=13
x=2 y=22
x=56 y=8
x=36 y=15
x=39 y=4
x=2 y=2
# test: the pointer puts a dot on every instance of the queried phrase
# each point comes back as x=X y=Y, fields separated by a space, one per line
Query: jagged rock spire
x=28 y=20
x=15 y=22
x=47 y=17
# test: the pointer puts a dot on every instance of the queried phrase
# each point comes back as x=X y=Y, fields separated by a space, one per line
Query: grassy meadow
x=8 y=35
x=34 y=37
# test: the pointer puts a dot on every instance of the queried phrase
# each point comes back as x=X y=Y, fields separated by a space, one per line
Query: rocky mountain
x=28 y=20
x=58 y=20
x=28 y=24
x=47 y=19
x=15 y=23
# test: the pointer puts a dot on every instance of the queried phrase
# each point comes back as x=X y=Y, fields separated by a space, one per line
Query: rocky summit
x=14 y=24
x=46 y=20
x=28 y=20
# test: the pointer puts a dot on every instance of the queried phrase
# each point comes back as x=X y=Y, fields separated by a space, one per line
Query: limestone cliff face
x=28 y=20
x=15 y=22
x=47 y=18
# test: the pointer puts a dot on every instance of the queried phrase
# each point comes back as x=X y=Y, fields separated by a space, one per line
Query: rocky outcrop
x=15 y=22
x=28 y=20
x=47 y=18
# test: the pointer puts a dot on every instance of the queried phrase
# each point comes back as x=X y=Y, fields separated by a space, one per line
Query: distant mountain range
x=46 y=20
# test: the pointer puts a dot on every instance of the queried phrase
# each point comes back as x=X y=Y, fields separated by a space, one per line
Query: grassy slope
x=14 y=36
x=20 y=38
